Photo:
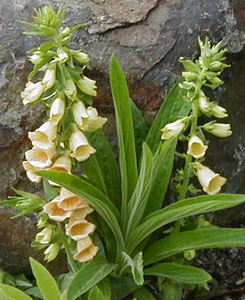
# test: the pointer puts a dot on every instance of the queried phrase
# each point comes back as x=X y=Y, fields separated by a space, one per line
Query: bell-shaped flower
x=88 y=86
x=44 y=136
x=32 y=92
x=80 y=56
x=204 y=105
x=51 y=252
x=218 y=129
x=62 y=56
x=79 y=229
x=62 y=164
x=174 y=128
x=35 y=58
x=81 y=213
x=69 y=201
x=45 y=236
x=211 y=182
x=55 y=212
x=30 y=172
x=79 y=112
x=40 y=158
x=219 y=112
x=57 y=110
x=70 y=90
x=81 y=150
x=86 y=250
x=49 y=78
x=196 y=148
x=93 y=122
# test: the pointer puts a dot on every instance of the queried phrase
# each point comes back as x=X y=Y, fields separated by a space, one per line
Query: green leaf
x=197 y=239
x=34 y=291
x=122 y=287
x=95 y=293
x=47 y=46
x=50 y=191
x=140 y=128
x=138 y=201
x=107 y=164
x=95 y=198
x=45 y=281
x=144 y=294
x=171 y=291
x=136 y=265
x=172 y=109
x=91 y=274
x=179 y=210
x=180 y=273
x=125 y=132
x=105 y=287
x=37 y=67
x=64 y=295
x=162 y=170
x=8 y=292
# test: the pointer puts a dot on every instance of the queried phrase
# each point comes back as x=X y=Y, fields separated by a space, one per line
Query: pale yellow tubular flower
x=57 y=110
x=219 y=129
x=81 y=150
x=62 y=164
x=69 y=201
x=81 y=213
x=35 y=58
x=51 y=252
x=62 y=55
x=211 y=182
x=56 y=213
x=86 y=250
x=80 y=113
x=79 y=229
x=49 y=78
x=80 y=56
x=174 y=128
x=93 y=122
x=44 y=136
x=71 y=90
x=32 y=92
x=196 y=148
x=40 y=158
x=219 y=112
x=30 y=172
x=45 y=236
x=88 y=86
x=204 y=105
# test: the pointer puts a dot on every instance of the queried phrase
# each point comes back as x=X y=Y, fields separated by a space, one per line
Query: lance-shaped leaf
x=125 y=132
x=197 y=239
x=103 y=206
x=91 y=274
x=96 y=293
x=136 y=265
x=179 y=210
x=180 y=273
x=45 y=281
x=172 y=109
x=144 y=294
x=8 y=292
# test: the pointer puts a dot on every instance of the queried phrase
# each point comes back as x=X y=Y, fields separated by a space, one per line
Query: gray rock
x=148 y=36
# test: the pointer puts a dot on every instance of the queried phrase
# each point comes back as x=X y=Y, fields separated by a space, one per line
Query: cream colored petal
x=71 y=90
x=51 y=252
x=32 y=92
x=88 y=86
x=44 y=236
x=62 y=164
x=57 y=110
x=49 y=78
x=56 y=213
x=79 y=229
x=81 y=213
x=30 y=172
x=81 y=150
x=79 y=113
x=196 y=148
x=86 y=250
x=39 y=158
x=93 y=122
x=219 y=112
x=44 y=136
x=173 y=129
x=69 y=201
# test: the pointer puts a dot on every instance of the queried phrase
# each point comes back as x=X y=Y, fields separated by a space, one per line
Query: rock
x=148 y=36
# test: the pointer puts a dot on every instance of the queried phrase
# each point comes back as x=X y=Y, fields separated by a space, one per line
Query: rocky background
x=148 y=37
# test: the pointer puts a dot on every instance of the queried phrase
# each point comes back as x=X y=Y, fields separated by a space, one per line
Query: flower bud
x=57 y=110
x=30 y=172
x=39 y=158
x=189 y=76
x=81 y=150
x=80 y=56
x=32 y=92
x=174 y=128
x=45 y=236
x=44 y=136
x=80 y=113
x=49 y=78
x=88 y=86
x=219 y=112
x=218 y=129
x=51 y=252
x=204 y=105
x=56 y=213
x=70 y=90
x=211 y=182
x=35 y=58
x=196 y=148
x=86 y=250
x=62 y=55
x=79 y=229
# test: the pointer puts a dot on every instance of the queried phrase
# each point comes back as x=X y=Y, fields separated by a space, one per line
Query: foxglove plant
x=129 y=255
